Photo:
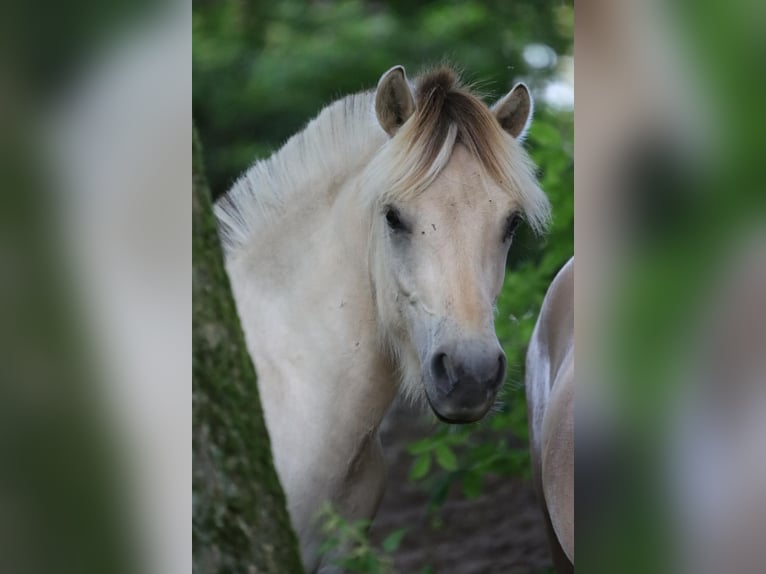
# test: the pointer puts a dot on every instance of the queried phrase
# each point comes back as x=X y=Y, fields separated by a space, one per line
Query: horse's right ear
x=394 y=102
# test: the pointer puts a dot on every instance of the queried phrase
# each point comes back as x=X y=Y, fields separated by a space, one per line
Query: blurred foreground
x=670 y=288
x=95 y=395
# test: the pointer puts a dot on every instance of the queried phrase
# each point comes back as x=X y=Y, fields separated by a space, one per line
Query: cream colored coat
x=550 y=382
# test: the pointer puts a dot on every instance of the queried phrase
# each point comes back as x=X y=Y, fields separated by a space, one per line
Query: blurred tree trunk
x=240 y=522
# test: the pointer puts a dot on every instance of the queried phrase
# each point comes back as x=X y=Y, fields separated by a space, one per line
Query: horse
x=550 y=414
x=365 y=257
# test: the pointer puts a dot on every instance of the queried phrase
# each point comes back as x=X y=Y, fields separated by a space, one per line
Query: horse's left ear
x=514 y=111
x=394 y=102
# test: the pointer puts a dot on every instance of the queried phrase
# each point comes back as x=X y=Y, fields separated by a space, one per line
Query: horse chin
x=449 y=421
x=463 y=420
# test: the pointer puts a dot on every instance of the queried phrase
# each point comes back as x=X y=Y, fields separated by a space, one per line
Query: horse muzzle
x=462 y=380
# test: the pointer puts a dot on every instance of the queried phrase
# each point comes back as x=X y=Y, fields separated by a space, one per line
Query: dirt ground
x=501 y=532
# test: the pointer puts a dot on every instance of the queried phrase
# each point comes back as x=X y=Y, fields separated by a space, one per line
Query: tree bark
x=240 y=520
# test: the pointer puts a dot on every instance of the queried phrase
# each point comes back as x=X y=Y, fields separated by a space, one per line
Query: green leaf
x=421 y=446
x=445 y=457
x=439 y=492
x=421 y=467
x=455 y=438
x=472 y=484
x=361 y=524
x=393 y=540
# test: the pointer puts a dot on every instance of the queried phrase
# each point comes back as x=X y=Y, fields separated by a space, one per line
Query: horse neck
x=305 y=281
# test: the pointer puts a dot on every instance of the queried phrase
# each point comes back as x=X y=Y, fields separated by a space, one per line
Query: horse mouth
x=444 y=419
x=454 y=420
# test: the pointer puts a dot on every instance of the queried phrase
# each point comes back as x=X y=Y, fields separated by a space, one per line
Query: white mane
x=314 y=161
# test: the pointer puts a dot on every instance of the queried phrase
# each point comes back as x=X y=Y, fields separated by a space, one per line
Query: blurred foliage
x=45 y=45
x=263 y=69
x=350 y=546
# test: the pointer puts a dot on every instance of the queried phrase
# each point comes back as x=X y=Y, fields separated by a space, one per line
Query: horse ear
x=514 y=111
x=394 y=102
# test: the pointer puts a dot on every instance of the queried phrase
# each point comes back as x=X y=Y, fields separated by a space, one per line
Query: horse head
x=450 y=188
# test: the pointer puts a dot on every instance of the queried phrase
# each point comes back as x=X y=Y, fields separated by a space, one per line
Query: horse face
x=443 y=261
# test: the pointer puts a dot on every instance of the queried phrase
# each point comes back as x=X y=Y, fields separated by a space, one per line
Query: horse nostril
x=471 y=372
x=438 y=369
x=441 y=369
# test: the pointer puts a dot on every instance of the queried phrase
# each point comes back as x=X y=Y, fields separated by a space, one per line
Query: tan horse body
x=365 y=257
x=550 y=402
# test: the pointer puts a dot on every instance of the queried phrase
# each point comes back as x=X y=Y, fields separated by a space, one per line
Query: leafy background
x=262 y=69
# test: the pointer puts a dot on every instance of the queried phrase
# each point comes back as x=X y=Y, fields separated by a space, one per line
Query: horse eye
x=394 y=220
x=511 y=225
